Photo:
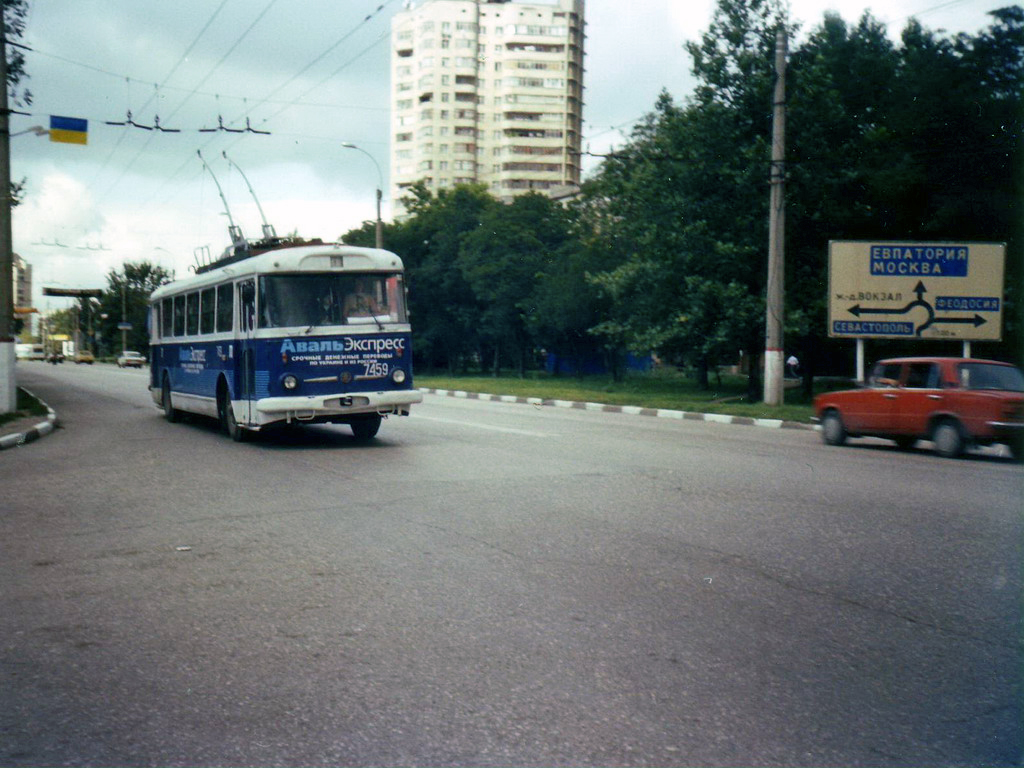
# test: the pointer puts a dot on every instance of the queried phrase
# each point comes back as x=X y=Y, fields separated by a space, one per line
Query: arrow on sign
x=857 y=310
x=975 y=321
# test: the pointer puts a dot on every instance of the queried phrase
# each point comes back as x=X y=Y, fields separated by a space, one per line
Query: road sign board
x=73 y=292
x=124 y=326
x=924 y=290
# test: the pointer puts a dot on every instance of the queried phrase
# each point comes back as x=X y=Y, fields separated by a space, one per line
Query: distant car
x=30 y=352
x=954 y=402
x=131 y=360
x=85 y=356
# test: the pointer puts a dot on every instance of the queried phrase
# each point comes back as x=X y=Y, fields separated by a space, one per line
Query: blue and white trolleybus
x=297 y=333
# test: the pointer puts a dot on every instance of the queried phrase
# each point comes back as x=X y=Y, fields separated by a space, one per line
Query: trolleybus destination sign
x=926 y=290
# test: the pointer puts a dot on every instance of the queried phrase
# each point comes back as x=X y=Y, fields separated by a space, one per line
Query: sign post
x=74 y=293
x=915 y=290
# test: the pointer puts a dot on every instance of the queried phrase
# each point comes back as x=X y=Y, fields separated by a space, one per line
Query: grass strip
x=659 y=389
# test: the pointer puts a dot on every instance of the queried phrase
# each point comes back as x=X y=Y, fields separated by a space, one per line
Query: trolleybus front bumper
x=328 y=407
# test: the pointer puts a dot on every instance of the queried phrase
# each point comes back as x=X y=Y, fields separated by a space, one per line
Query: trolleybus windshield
x=312 y=300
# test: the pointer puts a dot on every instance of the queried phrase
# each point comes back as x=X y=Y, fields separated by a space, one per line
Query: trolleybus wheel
x=366 y=428
x=227 y=416
x=165 y=400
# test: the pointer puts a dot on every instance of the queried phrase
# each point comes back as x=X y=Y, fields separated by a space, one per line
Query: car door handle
x=934 y=397
x=889 y=397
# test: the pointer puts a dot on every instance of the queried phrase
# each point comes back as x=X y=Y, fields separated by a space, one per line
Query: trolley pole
x=773 y=342
x=8 y=389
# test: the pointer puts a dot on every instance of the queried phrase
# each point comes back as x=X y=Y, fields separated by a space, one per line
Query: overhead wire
x=192 y=45
x=205 y=77
x=193 y=91
x=312 y=88
x=923 y=12
x=268 y=98
x=170 y=74
x=322 y=55
x=224 y=58
x=939 y=7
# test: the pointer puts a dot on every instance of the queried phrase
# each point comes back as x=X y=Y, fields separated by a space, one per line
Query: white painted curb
x=630 y=410
x=33 y=433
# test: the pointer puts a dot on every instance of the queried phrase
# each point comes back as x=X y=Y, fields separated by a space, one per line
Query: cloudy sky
x=314 y=74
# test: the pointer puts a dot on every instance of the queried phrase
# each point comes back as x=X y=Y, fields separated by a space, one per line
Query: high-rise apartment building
x=487 y=91
x=22 y=285
x=22 y=282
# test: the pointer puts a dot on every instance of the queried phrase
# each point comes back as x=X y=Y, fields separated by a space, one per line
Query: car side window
x=923 y=376
x=885 y=375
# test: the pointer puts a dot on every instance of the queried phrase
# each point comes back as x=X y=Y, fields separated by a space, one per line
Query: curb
x=34 y=433
x=631 y=410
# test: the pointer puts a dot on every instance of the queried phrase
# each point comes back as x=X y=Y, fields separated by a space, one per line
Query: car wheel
x=165 y=400
x=1016 y=449
x=949 y=443
x=833 y=432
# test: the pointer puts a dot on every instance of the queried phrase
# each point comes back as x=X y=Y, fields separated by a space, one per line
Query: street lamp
x=380 y=185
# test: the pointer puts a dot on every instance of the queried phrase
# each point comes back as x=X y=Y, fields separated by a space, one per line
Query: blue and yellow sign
x=926 y=290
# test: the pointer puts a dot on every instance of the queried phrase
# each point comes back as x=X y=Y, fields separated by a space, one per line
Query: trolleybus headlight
x=290 y=382
x=398 y=376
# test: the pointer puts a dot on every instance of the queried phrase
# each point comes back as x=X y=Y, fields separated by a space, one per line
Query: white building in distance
x=21 y=279
x=487 y=91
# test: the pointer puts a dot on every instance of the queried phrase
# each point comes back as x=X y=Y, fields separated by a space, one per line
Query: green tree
x=912 y=142
x=61 y=322
x=502 y=261
x=840 y=91
x=126 y=299
x=15 y=17
x=566 y=306
x=443 y=308
x=687 y=201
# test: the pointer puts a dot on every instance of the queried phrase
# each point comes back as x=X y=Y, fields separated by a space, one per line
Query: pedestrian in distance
x=792 y=364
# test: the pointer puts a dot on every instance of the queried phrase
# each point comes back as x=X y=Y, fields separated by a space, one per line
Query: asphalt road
x=498 y=584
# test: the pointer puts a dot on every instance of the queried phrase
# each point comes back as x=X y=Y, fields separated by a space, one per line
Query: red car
x=954 y=402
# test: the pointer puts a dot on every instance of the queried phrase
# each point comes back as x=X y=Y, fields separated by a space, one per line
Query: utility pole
x=773 y=341
x=8 y=389
x=124 y=312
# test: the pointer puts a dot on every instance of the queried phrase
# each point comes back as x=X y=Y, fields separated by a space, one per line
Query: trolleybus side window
x=207 y=309
x=247 y=301
x=192 y=314
x=179 y=315
x=166 y=318
x=225 y=307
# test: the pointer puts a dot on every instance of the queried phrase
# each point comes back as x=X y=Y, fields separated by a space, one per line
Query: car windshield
x=988 y=376
x=312 y=300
